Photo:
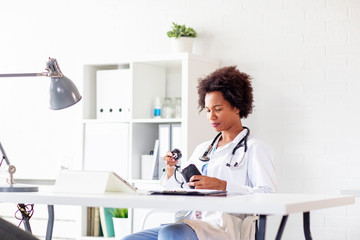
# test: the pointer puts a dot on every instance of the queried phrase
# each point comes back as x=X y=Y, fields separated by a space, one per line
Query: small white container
x=182 y=44
x=147 y=166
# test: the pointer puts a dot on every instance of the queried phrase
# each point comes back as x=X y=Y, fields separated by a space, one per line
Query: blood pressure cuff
x=190 y=171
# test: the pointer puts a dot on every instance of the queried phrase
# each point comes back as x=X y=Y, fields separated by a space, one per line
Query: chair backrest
x=9 y=231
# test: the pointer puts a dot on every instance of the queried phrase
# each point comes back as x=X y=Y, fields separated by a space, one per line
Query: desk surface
x=266 y=204
x=355 y=192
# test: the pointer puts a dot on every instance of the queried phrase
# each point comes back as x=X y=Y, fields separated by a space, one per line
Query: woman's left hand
x=205 y=182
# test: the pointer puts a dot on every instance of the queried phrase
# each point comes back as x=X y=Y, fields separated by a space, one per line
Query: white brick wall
x=304 y=56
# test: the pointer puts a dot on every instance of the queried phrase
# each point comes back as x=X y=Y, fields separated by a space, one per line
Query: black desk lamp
x=63 y=94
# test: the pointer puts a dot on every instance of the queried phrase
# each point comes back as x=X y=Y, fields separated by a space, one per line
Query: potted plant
x=121 y=222
x=182 y=37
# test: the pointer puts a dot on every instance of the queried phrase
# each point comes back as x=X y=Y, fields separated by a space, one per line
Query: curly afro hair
x=234 y=85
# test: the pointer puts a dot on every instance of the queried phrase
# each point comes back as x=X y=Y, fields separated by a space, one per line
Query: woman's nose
x=211 y=115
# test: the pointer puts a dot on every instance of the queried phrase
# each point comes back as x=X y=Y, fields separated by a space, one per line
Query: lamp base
x=18 y=188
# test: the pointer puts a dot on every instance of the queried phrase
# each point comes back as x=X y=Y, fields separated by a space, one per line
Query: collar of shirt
x=233 y=143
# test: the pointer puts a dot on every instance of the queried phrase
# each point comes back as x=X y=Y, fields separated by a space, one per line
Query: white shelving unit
x=170 y=76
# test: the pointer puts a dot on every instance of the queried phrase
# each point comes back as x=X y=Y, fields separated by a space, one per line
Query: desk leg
x=281 y=227
x=50 y=224
x=260 y=234
x=306 y=220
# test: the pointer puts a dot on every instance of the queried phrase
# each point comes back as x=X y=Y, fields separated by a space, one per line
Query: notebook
x=96 y=182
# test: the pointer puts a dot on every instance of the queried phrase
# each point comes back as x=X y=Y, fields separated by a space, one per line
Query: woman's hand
x=205 y=182
x=170 y=163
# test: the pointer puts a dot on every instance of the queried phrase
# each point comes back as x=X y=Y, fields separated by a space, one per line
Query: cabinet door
x=106 y=147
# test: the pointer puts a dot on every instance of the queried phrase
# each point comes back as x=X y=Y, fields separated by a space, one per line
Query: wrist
x=224 y=184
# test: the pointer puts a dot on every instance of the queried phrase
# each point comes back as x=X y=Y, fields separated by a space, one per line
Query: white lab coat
x=255 y=174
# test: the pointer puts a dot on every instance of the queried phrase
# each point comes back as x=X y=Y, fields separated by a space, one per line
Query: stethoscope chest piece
x=204 y=158
x=239 y=158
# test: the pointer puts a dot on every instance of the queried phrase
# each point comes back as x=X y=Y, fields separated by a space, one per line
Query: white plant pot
x=122 y=227
x=183 y=44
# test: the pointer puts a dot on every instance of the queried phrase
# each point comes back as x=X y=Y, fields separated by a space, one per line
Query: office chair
x=9 y=231
x=247 y=227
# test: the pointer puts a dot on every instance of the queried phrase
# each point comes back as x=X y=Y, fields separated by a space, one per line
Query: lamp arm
x=4 y=155
x=11 y=168
x=43 y=74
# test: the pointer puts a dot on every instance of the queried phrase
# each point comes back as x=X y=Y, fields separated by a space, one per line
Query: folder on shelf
x=155 y=159
x=89 y=224
x=176 y=136
x=96 y=222
x=113 y=94
x=106 y=221
x=93 y=222
x=164 y=147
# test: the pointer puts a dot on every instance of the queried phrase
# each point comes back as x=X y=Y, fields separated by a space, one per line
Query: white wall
x=303 y=55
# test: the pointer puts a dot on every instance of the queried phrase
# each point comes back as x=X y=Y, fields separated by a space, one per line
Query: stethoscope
x=242 y=143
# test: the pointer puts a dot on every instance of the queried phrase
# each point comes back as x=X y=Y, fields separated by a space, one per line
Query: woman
x=226 y=94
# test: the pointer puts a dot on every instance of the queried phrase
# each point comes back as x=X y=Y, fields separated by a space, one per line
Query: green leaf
x=120 y=212
x=181 y=31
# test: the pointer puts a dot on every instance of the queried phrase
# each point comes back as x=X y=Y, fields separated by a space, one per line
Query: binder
x=107 y=222
x=176 y=136
x=164 y=147
x=96 y=222
x=155 y=159
x=113 y=91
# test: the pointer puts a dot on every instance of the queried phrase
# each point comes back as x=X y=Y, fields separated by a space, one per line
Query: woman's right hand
x=170 y=163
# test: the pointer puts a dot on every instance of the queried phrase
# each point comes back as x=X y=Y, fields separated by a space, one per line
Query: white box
x=147 y=166
x=164 y=147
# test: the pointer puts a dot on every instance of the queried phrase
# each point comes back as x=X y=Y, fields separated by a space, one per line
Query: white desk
x=354 y=192
x=261 y=204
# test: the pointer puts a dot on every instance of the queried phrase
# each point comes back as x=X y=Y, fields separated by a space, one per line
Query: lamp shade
x=63 y=92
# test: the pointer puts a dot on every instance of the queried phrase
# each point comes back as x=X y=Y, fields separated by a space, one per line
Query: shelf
x=134 y=134
x=144 y=120
x=157 y=120
x=156 y=59
x=103 y=121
